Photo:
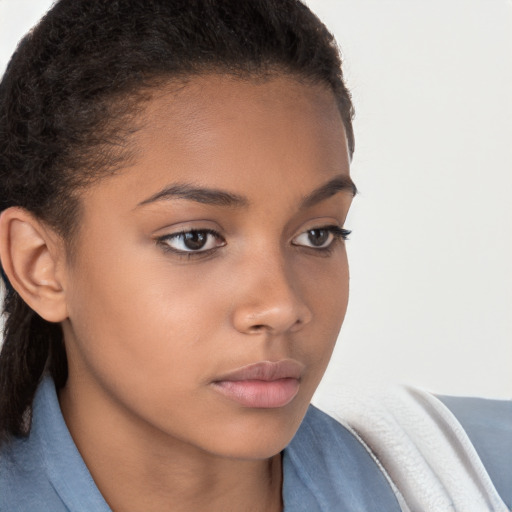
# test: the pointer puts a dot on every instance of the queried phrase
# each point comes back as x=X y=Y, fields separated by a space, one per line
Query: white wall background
x=431 y=251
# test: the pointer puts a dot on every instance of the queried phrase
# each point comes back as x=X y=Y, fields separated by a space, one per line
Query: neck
x=137 y=469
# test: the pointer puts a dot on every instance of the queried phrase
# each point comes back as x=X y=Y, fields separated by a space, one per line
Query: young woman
x=174 y=186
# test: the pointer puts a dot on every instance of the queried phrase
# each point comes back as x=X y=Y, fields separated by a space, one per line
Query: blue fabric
x=488 y=424
x=326 y=469
x=45 y=472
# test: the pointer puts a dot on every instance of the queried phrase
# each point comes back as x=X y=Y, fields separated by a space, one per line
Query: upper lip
x=265 y=371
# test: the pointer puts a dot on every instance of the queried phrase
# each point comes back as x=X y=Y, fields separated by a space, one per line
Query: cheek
x=325 y=286
x=325 y=283
x=131 y=317
x=145 y=334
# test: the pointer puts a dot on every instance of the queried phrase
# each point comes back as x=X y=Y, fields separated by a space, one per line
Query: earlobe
x=31 y=257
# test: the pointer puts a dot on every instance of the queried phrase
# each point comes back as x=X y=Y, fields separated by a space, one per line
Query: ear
x=32 y=257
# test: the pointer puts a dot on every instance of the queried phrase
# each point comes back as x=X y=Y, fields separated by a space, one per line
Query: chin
x=253 y=448
x=257 y=434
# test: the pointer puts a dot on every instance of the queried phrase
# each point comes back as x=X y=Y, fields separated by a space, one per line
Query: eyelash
x=338 y=234
x=163 y=242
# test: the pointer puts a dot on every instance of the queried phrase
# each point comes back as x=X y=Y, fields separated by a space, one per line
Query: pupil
x=318 y=236
x=195 y=240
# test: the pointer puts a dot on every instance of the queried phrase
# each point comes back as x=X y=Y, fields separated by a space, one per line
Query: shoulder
x=44 y=472
x=488 y=424
x=326 y=467
x=24 y=484
x=435 y=454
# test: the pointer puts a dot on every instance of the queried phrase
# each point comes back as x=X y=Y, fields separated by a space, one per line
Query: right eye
x=193 y=241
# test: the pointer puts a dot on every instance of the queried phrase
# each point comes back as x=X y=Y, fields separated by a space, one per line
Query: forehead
x=244 y=136
x=224 y=96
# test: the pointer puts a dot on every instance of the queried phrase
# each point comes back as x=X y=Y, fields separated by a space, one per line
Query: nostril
x=263 y=327
x=282 y=315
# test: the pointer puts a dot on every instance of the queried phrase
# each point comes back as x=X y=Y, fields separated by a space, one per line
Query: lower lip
x=258 y=393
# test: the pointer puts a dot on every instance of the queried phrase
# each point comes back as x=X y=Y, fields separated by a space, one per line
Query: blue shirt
x=325 y=467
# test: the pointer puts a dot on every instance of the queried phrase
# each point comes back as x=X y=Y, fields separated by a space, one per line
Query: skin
x=147 y=329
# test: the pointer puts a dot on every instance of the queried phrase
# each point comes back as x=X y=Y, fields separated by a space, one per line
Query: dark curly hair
x=69 y=99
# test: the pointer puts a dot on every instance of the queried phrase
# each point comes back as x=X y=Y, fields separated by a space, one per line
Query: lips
x=262 y=385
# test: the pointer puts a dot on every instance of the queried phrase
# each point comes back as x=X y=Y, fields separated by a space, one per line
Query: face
x=210 y=278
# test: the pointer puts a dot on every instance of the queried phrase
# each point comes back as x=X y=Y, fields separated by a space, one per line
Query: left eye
x=193 y=241
x=321 y=238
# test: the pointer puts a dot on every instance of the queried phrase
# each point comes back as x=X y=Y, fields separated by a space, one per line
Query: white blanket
x=422 y=449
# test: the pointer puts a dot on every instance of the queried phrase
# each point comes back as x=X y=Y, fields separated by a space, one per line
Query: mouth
x=263 y=385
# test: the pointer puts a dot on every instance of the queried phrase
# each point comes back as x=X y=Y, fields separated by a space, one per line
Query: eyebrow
x=199 y=195
x=341 y=183
x=216 y=197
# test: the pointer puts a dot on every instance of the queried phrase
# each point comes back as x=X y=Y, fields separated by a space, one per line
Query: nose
x=269 y=299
